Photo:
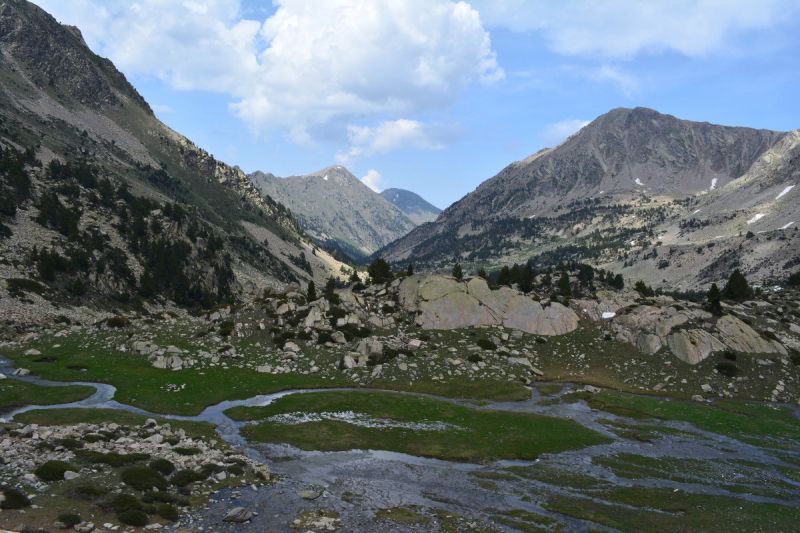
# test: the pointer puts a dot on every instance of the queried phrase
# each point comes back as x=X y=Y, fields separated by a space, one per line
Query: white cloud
x=627 y=83
x=310 y=68
x=553 y=134
x=372 y=180
x=621 y=28
x=393 y=135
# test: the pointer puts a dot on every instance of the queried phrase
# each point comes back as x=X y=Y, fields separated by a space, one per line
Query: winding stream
x=358 y=482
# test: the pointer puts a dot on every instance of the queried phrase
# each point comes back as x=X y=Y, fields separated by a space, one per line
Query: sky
x=436 y=96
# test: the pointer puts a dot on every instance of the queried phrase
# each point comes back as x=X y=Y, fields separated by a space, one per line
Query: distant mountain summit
x=413 y=205
x=337 y=209
x=670 y=201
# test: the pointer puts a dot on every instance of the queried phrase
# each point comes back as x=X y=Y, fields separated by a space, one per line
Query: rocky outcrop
x=693 y=345
x=445 y=303
x=740 y=337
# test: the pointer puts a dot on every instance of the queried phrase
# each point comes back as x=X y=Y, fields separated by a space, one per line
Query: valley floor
x=443 y=438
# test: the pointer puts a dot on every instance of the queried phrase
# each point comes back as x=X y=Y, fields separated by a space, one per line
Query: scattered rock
x=238 y=515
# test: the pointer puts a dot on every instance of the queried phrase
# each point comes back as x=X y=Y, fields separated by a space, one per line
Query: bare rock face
x=693 y=345
x=444 y=303
x=740 y=337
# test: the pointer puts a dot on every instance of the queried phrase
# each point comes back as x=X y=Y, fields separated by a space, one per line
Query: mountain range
x=338 y=210
x=415 y=207
x=673 y=202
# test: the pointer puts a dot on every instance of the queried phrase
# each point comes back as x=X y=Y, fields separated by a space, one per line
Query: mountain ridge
x=414 y=206
x=337 y=209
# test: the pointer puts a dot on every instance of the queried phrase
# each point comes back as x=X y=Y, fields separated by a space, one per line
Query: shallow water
x=357 y=483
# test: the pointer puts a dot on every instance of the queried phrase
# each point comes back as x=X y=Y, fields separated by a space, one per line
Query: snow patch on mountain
x=713 y=184
x=756 y=218
x=786 y=226
x=639 y=182
x=784 y=192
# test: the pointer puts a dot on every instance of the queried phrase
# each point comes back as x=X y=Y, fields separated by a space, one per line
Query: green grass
x=15 y=393
x=475 y=435
x=749 y=422
x=69 y=417
x=657 y=510
x=402 y=515
x=753 y=478
x=139 y=384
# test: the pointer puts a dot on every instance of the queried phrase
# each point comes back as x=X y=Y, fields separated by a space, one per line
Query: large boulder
x=740 y=337
x=693 y=345
x=445 y=303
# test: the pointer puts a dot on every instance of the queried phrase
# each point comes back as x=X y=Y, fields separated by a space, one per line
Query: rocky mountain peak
x=56 y=58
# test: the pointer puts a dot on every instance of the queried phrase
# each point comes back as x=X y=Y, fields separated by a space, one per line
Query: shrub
x=380 y=271
x=111 y=458
x=14 y=499
x=69 y=519
x=168 y=512
x=486 y=344
x=53 y=470
x=133 y=518
x=118 y=322
x=186 y=450
x=236 y=470
x=164 y=497
x=87 y=491
x=729 y=355
x=70 y=444
x=226 y=328
x=181 y=478
x=143 y=478
x=122 y=503
x=474 y=358
x=727 y=368
x=163 y=466
x=794 y=355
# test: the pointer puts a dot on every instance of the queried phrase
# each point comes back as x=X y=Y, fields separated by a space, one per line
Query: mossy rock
x=53 y=470
x=143 y=478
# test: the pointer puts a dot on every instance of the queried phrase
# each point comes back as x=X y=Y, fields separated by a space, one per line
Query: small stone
x=238 y=515
x=69 y=475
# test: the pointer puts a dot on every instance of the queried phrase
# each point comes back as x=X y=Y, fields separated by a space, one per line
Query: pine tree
x=564 y=287
x=713 y=296
x=380 y=271
x=311 y=291
x=737 y=287
x=616 y=282
x=504 y=278
x=410 y=270
x=458 y=273
x=330 y=291
x=482 y=274
x=585 y=274
x=642 y=288
x=526 y=279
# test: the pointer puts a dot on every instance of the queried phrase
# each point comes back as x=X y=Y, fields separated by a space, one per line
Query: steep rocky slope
x=413 y=205
x=337 y=209
x=627 y=192
x=104 y=205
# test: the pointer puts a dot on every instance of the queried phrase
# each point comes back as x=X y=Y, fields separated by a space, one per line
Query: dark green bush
x=111 y=459
x=70 y=444
x=168 y=512
x=14 y=499
x=236 y=470
x=123 y=502
x=727 y=368
x=118 y=322
x=133 y=518
x=474 y=358
x=226 y=328
x=486 y=344
x=53 y=470
x=143 y=478
x=87 y=491
x=69 y=519
x=181 y=478
x=164 y=497
x=183 y=450
x=162 y=465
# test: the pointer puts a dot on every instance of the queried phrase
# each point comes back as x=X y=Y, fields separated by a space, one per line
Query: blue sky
x=432 y=95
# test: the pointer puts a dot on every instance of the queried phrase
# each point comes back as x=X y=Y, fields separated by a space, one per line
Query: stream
x=356 y=483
